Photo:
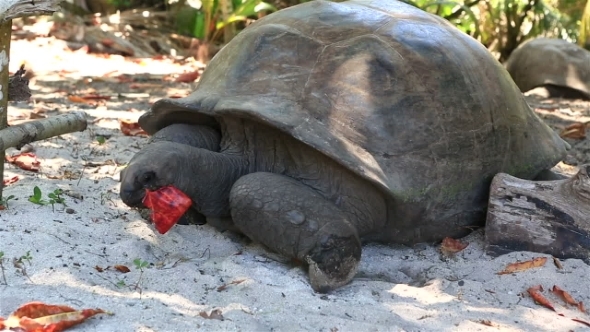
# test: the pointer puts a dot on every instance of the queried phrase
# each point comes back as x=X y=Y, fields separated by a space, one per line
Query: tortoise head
x=155 y=166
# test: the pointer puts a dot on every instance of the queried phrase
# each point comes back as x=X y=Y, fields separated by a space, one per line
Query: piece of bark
x=10 y=9
x=551 y=217
x=18 y=86
x=24 y=133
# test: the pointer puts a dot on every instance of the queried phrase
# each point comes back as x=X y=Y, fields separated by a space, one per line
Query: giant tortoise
x=560 y=67
x=327 y=124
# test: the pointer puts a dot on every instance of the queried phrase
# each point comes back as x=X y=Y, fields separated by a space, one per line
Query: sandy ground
x=194 y=270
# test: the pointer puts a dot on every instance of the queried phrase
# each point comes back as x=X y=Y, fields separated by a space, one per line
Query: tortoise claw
x=334 y=262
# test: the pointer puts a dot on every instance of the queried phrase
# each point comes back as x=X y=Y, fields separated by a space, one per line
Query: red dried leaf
x=188 y=77
x=41 y=317
x=122 y=268
x=522 y=266
x=581 y=321
x=452 y=246
x=565 y=296
x=534 y=292
x=78 y=99
x=168 y=204
x=131 y=128
x=95 y=97
x=575 y=130
x=10 y=180
x=581 y=307
x=27 y=161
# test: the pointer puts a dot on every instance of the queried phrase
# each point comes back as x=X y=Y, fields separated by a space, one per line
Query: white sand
x=397 y=288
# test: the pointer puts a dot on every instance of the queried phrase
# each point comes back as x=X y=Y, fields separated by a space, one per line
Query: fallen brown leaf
x=215 y=314
x=581 y=307
x=27 y=161
x=98 y=268
x=235 y=282
x=522 y=266
x=41 y=317
x=565 y=296
x=557 y=263
x=452 y=246
x=11 y=180
x=534 y=292
x=78 y=99
x=188 y=77
x=95 y=97
x=130 y=128
x=122 y=268
x=581 y=321
x=485 y=322
x=576 y=130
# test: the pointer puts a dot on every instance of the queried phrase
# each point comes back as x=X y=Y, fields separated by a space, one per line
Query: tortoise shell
x=397 y=95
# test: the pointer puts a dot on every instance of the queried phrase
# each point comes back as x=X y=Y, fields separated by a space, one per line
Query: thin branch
x=461 y=10
x=21 y=134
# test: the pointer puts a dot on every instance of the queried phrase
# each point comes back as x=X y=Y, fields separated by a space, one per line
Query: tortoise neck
x=213 y=175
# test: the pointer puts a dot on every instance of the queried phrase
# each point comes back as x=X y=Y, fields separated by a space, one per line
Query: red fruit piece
x=168 y=204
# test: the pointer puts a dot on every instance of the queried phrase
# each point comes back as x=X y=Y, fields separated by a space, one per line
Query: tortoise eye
x=146 y=178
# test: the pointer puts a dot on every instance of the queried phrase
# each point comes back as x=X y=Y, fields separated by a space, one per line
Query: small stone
x=70 y=211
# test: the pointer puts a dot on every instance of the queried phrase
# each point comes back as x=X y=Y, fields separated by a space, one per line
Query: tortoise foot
x=296 y=221
x=333 y=262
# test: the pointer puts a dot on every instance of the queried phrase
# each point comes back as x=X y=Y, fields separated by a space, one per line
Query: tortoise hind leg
x=296 y=221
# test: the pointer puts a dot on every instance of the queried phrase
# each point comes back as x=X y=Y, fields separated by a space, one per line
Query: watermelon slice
x=168 y=204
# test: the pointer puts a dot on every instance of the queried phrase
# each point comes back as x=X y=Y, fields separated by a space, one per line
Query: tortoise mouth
x=133 y=198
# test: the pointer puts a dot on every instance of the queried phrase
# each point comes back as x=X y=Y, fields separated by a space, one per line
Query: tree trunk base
x=551 y=217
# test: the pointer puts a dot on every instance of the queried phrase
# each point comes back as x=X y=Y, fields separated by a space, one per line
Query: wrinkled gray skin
x=322 y=209
x=328 y=123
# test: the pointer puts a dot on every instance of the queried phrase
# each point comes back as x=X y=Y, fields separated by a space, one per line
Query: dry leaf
x=235 y=282
x=215 y=314
x=485 y=322
x=522 y=266
x=576 y=130
x=78 y=99
x=27 y=161
x=452 y=246
x=98 y=268
x=95 y=97
x=130 y=128
x=168 y=204
x=41 y=317
x=188 y=77
x=534 y=292
x=565 y=296
x=10 y=180
x=557 y=263
x=122 y=268
x=581 y=321
x=581 y=307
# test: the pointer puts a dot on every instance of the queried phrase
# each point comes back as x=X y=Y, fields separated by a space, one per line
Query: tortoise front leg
x=296 y=221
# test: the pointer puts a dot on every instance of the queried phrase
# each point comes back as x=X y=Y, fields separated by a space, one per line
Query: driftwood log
x=551 y=217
